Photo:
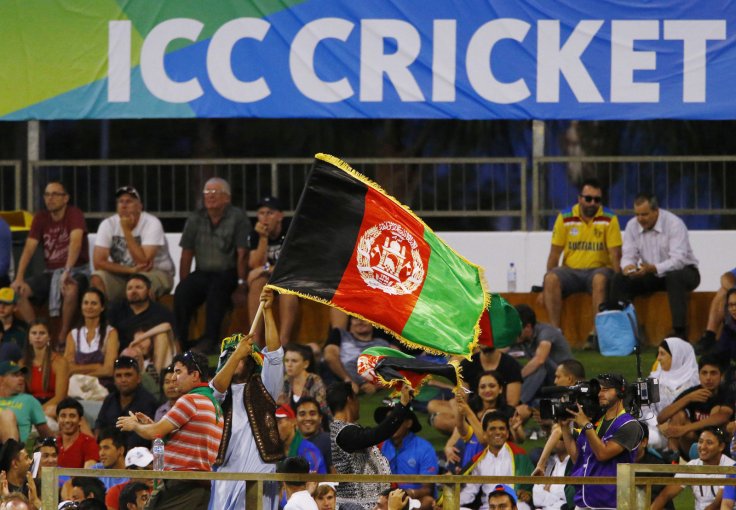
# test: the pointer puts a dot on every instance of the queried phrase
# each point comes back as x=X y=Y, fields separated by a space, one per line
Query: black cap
x=127 y=190
x=612 y=381
x=270 y=202
x=380 y=414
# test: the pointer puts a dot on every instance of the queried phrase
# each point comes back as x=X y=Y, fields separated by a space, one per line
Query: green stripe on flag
x=450 y=279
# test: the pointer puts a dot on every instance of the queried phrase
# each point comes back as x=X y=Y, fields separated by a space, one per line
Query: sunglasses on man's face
x=591 y=198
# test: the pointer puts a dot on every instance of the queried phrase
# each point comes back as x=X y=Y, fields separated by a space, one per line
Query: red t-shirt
x=83 y=449
x=193 y=446
x=54 y=235
x=112 y=497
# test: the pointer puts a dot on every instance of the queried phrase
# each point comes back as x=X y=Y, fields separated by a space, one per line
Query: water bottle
x=511 y=278
x=158 y=458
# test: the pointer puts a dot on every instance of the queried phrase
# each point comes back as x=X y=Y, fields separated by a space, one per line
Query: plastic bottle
x=158 y=454
x=511 y=278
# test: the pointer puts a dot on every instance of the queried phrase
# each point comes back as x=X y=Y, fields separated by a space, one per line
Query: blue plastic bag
x=617 y=331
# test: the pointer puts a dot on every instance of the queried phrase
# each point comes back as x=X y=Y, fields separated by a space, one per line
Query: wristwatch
x=588 y=426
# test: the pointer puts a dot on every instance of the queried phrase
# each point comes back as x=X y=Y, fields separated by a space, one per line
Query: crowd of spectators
x=118 y=368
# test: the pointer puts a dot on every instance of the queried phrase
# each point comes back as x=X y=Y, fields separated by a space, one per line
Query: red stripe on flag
x=386 y=257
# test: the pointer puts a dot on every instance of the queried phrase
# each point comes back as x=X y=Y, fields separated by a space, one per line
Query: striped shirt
x=193 y=445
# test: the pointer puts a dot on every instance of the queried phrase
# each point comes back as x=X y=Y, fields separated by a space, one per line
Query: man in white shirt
x=657 y=256
x=298 y=498
x=132 y=241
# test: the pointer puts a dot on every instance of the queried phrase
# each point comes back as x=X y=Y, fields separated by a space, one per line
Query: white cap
x=138 y=456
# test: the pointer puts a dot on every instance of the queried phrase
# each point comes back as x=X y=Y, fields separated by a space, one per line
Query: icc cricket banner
x=355 y=248
x=472 y=59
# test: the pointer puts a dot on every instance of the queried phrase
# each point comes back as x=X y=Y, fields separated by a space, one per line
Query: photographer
x=600 y=447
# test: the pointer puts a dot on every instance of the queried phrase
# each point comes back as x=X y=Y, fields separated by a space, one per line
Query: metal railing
x=632 y=492
x=432 y=187
x=696 y=187
x=685 y=185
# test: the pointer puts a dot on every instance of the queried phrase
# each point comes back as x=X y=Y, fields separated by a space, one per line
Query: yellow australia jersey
x=585 y=244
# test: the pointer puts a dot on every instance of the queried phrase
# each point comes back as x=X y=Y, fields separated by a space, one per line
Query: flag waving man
x=355 y=248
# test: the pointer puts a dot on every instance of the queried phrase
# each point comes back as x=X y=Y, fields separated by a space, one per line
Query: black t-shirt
x=697 y=411
x=508 y=367
x=274 y=245
x=128 y=323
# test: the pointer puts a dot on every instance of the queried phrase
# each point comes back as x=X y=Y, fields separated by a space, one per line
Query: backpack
x=617 y=329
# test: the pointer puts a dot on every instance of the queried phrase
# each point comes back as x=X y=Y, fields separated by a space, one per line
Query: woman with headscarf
x=677 y=370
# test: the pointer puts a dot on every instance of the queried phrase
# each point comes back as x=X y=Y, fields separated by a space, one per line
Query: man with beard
x=249 y=416
x=309 y=421
x=588 y=237
x=499 y=458
x=600 y=447
x=711 y=444
x=143 y=323
x=129 y=396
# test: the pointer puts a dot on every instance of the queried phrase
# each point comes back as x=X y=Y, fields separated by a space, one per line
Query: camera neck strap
x=599 y=425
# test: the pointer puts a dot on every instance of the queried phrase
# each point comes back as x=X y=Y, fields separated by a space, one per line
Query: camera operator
x=600 y=447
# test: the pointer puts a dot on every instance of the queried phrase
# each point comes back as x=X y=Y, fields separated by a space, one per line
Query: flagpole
x=257 y=318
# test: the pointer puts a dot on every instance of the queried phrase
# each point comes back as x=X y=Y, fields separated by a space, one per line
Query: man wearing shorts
x=131 y=242
x=588 y=237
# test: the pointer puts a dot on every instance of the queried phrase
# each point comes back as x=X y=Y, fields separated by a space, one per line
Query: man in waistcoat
x=602 y=445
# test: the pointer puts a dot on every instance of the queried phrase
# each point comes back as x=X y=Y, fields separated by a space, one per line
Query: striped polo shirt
x=193 y=445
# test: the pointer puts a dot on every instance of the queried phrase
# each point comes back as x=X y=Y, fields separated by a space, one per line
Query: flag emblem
x=389 y=260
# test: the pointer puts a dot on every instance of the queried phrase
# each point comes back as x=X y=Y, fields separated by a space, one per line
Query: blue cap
x=503 y=489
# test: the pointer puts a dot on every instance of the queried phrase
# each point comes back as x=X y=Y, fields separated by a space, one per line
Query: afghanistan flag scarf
x=352 y=246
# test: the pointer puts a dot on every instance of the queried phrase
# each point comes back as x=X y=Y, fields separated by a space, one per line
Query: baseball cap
x=138 y=456
x=11 y=367
x=285 y=411
x=8 y=296
x=270 y=202
x=380 y=414
x=502 y=488
x=9 y=351
x=611 y=381
x=127 y=190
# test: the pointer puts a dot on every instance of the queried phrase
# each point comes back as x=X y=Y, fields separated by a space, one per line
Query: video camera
x=642 y=392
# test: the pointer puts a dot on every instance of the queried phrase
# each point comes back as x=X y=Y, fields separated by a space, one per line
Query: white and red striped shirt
x=193 y=445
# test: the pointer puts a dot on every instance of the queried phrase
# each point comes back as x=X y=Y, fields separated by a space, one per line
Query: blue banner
x=543 y=59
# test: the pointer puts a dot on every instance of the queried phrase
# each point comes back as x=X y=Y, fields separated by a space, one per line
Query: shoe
x=706 y=343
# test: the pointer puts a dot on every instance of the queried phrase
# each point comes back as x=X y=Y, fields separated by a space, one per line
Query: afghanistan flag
x=352 y=246
x=500 y=324
x=390 y=368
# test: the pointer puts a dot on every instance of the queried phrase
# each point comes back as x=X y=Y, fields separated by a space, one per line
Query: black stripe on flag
x=323 y=232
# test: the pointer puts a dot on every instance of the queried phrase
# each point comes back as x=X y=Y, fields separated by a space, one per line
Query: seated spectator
x=16 y=501
x=588 y=237
x=46 y=456
x=76 y=449
x=84 y=487
x=127 y=397
x=644 y=455
x=47 y=377
x=92 y=347
x=112 y=450
x=264 y=242
x=16 y=464
x=14 y=329
x=91 y=504
x=718 y=313
x=554 y=496
x=132 y=241
x=409 y=454
x=726 y=345
x=711 y=445
x=6 y=252
x=217 y=237
x=657 y=257
x=677 y=370
x=144 y=324
x=62 y=231
x=342 y=349
x=325 y=497
x=487 y=396
x=19 y=410
x=443 y=414
x=134 y=496
x=295 y=444
x=503 y=497
x=137 y=459
x=499 y=458
x=706 y=405
x=169 y=390
x=149 y=377
x=309 y=421
x=299 y=379
x=544 y=346
x=297 y=496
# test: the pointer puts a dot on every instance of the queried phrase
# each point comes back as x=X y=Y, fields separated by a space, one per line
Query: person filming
x=603 y=443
